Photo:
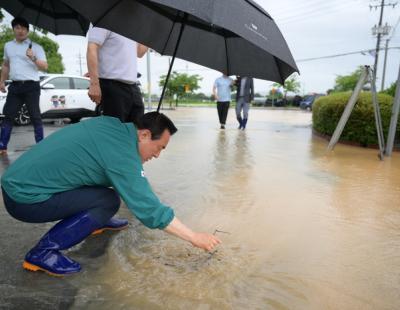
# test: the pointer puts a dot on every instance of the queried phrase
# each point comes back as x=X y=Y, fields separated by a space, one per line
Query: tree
x=180 y=84
x=54 y=59
x=347 y=82
x=391 y=90
x=291 y=85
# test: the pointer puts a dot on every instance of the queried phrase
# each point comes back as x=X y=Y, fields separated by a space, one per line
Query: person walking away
x=222 y=94
x=102 y=162
x=112 y=66
x=244 y=95
x=23 y=59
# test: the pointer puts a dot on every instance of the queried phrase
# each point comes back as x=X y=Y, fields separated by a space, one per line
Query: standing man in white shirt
x=112 y=66
x=22 y=61
x=222 y=94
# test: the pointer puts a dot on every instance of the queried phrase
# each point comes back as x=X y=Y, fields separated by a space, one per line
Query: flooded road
x=301 y=228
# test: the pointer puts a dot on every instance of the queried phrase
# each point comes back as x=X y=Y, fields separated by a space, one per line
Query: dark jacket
x=248 y=93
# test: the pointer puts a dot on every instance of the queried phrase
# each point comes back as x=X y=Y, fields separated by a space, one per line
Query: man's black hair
x=20 y=21
x=156 y=122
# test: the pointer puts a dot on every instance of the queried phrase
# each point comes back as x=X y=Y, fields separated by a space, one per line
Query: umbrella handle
x=183 y=24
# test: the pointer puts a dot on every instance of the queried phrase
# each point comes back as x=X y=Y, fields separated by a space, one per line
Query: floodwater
x=301 y=228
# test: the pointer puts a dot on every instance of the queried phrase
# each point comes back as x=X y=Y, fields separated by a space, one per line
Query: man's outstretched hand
x=205 y=241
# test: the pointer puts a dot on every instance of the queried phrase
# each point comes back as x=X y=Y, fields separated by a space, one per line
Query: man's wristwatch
x=34 y=58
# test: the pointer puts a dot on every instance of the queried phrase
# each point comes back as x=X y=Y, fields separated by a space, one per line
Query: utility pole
x=379 y=31
x=148 y=81
x=80 y=58
x=384 y=65
x=378 y=42
x=386 y=52
x=394 y=119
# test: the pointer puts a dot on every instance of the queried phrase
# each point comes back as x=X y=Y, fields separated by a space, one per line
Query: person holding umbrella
x=175 y=28
x=112 y=66
x=102 y=162
x=22 y=61
x=222 y=94
x=244 y=95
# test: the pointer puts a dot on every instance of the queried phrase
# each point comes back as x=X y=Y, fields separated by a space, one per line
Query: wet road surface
x=307 y=229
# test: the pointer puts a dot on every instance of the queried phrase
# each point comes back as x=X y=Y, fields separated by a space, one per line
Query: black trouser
x=27 y=92
x=121 y=100
x=222 y=107
x=20 y=93
x=100 y=202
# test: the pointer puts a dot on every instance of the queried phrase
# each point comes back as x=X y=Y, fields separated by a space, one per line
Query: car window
x=60 y=83
x=81 y=83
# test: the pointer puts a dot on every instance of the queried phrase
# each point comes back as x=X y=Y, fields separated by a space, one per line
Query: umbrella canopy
x=231 y=36
x=51 y=15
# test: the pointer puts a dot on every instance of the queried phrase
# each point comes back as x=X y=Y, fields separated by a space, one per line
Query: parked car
x=307 y=102
x=295 y=100
x=62 y=96
x=281 y=102
x=267 y=102
x=259 y=101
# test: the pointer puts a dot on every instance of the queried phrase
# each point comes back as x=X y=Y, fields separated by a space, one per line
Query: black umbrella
x=233 y=36
x=51 y=15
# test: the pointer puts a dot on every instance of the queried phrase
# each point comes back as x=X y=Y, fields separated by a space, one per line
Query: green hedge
x=360 y=128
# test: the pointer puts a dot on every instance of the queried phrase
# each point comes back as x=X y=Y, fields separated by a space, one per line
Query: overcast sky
x=312 y=29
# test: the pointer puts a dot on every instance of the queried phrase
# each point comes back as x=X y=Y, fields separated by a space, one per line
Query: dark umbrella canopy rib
x=51 y=15
x=235 y=36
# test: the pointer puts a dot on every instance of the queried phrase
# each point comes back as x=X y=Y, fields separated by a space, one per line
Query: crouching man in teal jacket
x=78 y=175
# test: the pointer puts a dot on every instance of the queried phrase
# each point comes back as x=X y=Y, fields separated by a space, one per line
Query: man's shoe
x=3 y=152
x=46 y=255
x=244 y=123
x=240 y=120
x=51 y=262
x=112 y=224
x=222 y=126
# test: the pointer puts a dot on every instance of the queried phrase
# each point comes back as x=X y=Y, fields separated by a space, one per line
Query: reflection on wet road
x=307 y=229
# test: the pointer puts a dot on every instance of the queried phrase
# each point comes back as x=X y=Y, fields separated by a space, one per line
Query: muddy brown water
x=307 y=229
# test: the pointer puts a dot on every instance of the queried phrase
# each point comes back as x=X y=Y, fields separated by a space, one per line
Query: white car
x=61 y=96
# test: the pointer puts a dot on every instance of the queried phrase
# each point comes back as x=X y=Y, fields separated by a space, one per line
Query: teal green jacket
x=101 y=151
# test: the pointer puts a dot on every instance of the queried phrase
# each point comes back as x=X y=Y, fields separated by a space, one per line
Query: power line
x=302 y=8
x=316 y=12
x=363 y=52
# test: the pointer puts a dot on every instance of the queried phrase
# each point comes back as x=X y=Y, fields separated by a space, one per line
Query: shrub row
x=360 y=127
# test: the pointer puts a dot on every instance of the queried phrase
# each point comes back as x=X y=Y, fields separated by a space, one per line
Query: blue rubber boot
x=46 y=255
x=38 y=133
x=244 y=123
x=112 y=224
x=240 y=120
x=5 y=135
